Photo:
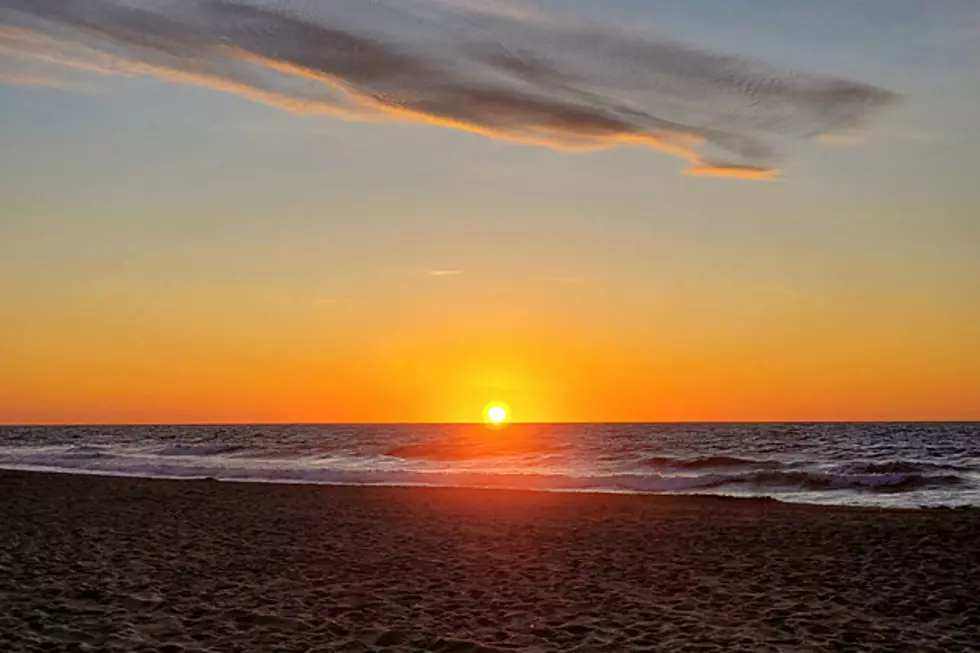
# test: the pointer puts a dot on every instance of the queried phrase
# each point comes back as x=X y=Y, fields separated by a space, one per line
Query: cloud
x=496 y=68
x=444 y=273
x=707 y=168
x=21 y=79
x=840 y=139
x=14 y=71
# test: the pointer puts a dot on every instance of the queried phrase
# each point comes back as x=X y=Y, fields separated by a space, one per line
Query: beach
x=93 y=563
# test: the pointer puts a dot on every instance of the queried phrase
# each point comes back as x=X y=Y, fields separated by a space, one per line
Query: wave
x=779 y=480
x=851 y=468
x=199 y=450
x=900 y=467
x=710 y=462
x=180 y=463
x=472 y=450
x=83 y=451
x=818 y=481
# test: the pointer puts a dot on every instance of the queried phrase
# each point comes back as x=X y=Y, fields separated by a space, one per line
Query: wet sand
x=89 y=564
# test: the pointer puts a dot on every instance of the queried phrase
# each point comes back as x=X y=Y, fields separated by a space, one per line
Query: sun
x=496 y=414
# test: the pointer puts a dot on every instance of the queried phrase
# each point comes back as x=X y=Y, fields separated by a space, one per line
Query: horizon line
x=481 y=423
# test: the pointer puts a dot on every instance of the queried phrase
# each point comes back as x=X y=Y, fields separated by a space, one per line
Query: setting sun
x=496 y=414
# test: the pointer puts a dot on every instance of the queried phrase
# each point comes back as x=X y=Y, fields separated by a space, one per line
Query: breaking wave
x=710 y=462
x=717 y=473
x=200 y=449
x=901 y=467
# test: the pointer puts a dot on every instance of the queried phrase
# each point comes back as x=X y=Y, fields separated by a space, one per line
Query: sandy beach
x=90 y=563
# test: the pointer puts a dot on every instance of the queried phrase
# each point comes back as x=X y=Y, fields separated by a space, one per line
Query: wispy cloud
x=22 y=79
x=444 y=273
x=494 y=68
x=707 y=168
x=14 y=71
x=840 y=139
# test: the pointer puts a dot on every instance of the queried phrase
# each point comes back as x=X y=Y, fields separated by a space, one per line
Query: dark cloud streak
x=520 y=77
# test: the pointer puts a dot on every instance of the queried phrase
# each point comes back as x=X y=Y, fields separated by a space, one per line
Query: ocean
x=868 y=464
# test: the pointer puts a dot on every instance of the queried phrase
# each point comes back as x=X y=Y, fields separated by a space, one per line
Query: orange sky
x=441 y=357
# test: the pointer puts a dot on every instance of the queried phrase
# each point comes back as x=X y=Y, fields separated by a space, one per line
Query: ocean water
x=901 y=465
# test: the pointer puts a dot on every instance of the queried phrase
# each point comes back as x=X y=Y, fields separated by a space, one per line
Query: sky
x=403 y=210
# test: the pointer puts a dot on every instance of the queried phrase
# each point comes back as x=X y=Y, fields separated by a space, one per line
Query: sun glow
x=496 y=414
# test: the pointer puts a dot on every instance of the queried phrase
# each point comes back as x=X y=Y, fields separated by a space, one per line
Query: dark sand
x=123 y=564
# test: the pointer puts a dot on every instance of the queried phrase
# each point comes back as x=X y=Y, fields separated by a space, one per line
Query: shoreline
x=167 y=566
x=681 y=495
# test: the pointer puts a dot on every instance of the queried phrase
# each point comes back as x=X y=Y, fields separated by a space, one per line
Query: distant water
x=859 y=464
